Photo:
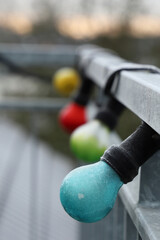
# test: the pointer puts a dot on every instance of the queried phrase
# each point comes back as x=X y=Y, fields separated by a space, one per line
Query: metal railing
x=31 y=168
x=39 y=55
x=136 y=214
x=31 y=171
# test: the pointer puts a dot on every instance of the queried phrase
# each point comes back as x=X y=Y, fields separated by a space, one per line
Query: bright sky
x=70 y=7
x=84 y=18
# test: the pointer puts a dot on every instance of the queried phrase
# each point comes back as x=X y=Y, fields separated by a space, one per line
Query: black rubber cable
x=20 y=70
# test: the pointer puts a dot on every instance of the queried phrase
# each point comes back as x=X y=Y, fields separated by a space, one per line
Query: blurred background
x=131 y=28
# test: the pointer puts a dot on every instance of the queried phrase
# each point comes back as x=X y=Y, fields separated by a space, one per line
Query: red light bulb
x=72 y=116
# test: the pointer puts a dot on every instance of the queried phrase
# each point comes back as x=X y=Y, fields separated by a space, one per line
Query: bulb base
x=121 y=162
x=126 y=158
x=83 y=95
x=109 y=115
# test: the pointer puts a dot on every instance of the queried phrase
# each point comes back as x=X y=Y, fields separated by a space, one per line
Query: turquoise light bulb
x=88 y=193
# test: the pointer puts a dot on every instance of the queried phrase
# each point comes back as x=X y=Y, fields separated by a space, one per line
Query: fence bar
x=32 y=104
x=136 y=214
x=130 y=231
x=149 y=186
x=138 y=91
x=145 y=218
x=119 y=220
x=39 y=55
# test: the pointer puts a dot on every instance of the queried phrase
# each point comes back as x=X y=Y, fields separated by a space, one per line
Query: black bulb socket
x=84 y=93
x=133 y=152
x=109 y=114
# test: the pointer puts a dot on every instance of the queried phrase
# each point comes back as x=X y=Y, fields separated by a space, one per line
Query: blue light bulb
x=88 y=193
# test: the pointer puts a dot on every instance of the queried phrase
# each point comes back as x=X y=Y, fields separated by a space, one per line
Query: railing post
x=118 y=220
x=130 y=231
x=150 y=182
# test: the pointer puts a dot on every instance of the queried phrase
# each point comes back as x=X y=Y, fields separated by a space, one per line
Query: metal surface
x=145 y=217
x=32 y=104
x=130 y=231
x=39 y=55
x=150 y=182
x=138 y=91
x=31 y=173
x=30 y=177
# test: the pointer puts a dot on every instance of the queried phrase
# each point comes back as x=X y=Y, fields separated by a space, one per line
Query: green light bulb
x=89 y=141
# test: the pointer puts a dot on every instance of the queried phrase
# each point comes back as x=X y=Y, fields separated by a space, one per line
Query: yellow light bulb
x=66 y=80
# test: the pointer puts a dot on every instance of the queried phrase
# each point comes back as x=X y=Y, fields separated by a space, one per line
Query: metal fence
x=31 y=172
x=136 y=214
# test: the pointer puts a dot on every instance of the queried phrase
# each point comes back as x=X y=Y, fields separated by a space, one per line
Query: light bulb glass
x=72 y=116
x=89 y=141
x=88 y=193
x=66 y=80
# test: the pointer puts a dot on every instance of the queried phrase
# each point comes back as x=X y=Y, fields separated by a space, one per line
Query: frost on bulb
x=88 y=193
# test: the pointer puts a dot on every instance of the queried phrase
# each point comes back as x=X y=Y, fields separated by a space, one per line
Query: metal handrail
x=32 y=104
x=138 y=91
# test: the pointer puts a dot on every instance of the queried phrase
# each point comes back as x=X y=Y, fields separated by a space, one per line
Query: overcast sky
x=69 y=7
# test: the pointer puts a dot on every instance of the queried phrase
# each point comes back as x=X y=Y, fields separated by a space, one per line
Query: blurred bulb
x=66 y=80
x=72 y=116
x=88 y=193
x=89 y=141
